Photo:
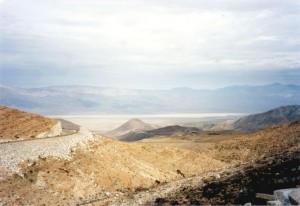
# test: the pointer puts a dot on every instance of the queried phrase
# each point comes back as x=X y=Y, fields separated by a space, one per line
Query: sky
x=149 y=44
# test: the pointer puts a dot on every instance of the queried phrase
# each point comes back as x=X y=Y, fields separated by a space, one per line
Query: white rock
x=275 y=202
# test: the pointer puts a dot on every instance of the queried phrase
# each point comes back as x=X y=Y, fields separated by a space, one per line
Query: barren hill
x=168 y=130
x=275 y=116
x=133 y=125
x=16 y=124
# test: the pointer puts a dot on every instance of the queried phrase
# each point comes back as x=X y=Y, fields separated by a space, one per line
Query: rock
x=264 y=196
x=285 y=195
x=107 y=194
x=294 y=196
x=217 y=176
x=282 y=196
x=274 y=202
x=248 y=204
x=55 y=130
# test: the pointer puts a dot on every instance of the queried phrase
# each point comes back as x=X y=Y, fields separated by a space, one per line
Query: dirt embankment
x=16 y=124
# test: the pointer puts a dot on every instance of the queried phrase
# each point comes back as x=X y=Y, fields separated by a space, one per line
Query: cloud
x=142 y=38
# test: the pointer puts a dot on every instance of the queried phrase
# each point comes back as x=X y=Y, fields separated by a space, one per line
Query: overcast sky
x=154 y=44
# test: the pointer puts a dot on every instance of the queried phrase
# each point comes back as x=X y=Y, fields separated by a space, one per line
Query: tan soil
x=16 y=124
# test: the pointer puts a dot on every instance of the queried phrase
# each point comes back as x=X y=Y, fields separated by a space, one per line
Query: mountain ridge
x=67 y=100
x=280 y=115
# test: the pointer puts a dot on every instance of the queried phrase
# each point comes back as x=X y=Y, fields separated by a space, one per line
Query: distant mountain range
x=80 y=100
x=255 y=122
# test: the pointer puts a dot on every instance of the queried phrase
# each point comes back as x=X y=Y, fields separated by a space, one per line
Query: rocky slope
x=253 y=183
x=260 y=163
x=276 y=116
x=16 y=125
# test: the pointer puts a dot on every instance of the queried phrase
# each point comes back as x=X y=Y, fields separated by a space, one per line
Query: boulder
x=288 y=196
x=282 y=196
x=294 y=196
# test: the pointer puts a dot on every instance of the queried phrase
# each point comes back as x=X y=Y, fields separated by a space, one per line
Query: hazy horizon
x=73 y=100
x=171 y=88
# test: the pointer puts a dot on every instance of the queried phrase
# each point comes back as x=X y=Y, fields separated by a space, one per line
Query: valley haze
x=109 y=122
x=103 y=109
x=87 y=100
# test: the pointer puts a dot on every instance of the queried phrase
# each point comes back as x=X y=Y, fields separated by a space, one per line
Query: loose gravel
x=14 y=153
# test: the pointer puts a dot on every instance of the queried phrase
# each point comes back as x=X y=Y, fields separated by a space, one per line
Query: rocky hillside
x=16 y=125
x=260 y=163
x=276 y=116
x=133 y=125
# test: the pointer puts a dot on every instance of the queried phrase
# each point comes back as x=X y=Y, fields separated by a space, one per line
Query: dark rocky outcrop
x=169 y=130
x=245 y=184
